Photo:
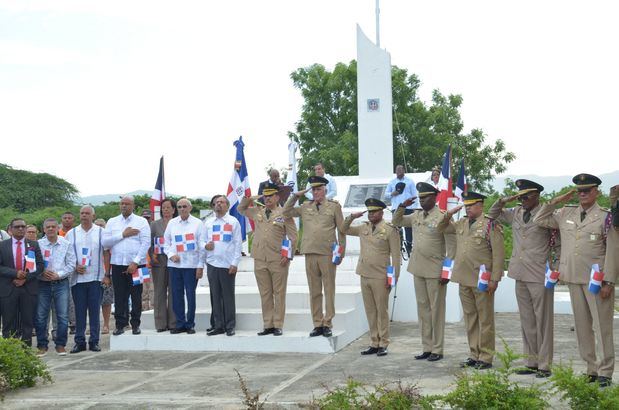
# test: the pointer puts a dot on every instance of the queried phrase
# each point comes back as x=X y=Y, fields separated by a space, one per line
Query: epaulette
x=570 y=206
x=333 y=200
x=391 y=225
x=605 y=209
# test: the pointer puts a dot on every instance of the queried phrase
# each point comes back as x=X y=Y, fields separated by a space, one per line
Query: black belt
x=55 y=281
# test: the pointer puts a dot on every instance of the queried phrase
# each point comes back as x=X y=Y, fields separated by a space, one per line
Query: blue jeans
x=184 y=283
x=87 y=299
x=58 y=294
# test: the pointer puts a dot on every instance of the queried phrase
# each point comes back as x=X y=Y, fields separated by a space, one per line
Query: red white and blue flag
x=552 y=277
x=597 y=277
x=448 y=265
x=336 y=252
x=158 y=194
x=390 y=276
x=461 y=186
x=484 y=278
x=31 y=264
x=286 y=248
x=186 y=242
x=239 y=188
x=140 y=276
x=47 y=254
x=222 y=233
x=159 y=243
x=85 y=257
x=444 y=181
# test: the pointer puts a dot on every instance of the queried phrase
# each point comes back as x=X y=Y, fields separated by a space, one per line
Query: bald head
x=127 y=204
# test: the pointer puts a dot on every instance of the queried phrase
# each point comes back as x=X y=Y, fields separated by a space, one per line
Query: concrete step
x=298 y=263
x=246 y=278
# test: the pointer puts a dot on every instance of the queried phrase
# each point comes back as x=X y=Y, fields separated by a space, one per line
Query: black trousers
x=123 y=289
x=408 y=233
x=221 y=285
x=18 y=303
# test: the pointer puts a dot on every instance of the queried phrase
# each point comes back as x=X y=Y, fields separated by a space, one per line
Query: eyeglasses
x=584 y=190
x=182 y=206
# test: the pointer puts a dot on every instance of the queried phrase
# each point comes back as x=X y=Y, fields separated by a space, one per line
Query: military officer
x=270 y=267
x=321 y=219
x=380 y=248
x=479 y=241
x=426 y=264
x=584 y=229
x=531 y=251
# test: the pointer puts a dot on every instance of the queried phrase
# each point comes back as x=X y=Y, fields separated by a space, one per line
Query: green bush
x=579 y=393
x=19 y=366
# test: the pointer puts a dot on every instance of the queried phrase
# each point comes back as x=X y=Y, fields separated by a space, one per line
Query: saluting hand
x=408 y=202
x=356 y=215
x=299 y=194
x=454 y=211
x=614 y=195
x=508 y=199
x=563 y=198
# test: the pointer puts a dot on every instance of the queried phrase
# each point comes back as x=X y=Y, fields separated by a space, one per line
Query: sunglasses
x=584 y=191
x=182 y=206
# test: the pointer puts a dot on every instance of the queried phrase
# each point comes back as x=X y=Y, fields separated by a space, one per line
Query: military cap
x=471 y=198
x=424 y=189
x=586 y=181
x=316 y=181
x=525 y=186
x=270 y=189
x=374 y=204
x=400 y=187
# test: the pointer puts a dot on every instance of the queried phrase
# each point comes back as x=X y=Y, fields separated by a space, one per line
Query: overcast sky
x=96 y=92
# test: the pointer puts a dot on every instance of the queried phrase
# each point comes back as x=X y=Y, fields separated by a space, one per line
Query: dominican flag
x=239 y=187
x=140 y=276
x=287 y=248
x=222 y=233
x=47 y=254
x=158 y=194
x=336 y=252
x=484 y=278
x=85 y=257
x=448 y=265
x=444 y=181
x=597 y=276
x=552 y=277
x=184 y=243
x=390 y=276
x=461 y=186
x=159 y=243
x=31 y=264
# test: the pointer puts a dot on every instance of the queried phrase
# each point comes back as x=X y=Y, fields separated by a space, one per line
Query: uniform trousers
x=376 y=302
x=430 y=296
x=478 y=308
x=272 y=279
x=320 y=272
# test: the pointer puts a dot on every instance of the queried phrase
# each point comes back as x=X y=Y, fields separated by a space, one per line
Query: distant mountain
x=97 y=200
x=555 y=183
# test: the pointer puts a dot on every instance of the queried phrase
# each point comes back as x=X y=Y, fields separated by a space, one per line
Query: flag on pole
x=158 y=194
x=448 y=265
x=85 y=257
x=140 y=276
x=461 y=186
x=552 y=277
x=484 y=278
x=47 y=254
x=444 y=181
x=597 y=277
x=186 y=242
x=222 y=233
x=239 y=187
x=291 y=178
x=336 y=252
x=390 y=276
x=286 y=248
x=159 y=243
x=31 y=264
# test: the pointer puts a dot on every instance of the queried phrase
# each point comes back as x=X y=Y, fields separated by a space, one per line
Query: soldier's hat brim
x=586 y=181
x=525 y=186
x=471 y=198
x=373 y=204
x=316 y=181
x=424 y=189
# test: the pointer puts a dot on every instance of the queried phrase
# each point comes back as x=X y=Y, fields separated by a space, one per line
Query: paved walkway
x=111 y=380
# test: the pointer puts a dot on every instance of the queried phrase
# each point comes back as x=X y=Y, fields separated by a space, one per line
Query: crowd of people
x=73 y=273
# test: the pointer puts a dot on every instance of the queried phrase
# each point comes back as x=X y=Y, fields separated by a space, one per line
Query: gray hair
x=88 y=206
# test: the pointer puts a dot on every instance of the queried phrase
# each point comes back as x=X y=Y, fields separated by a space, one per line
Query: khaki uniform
x=319 y=226
x=582 y=245
x=426 y=265
x=477 y=244
x=271 y=276
x=531 y=251
x=380 y=247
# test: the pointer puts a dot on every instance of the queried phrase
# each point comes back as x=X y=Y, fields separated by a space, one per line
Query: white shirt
x=91 y=240
x=132 y=249
x=226 y=253
x=59 y=255
x=331 y=188
x=177 y=243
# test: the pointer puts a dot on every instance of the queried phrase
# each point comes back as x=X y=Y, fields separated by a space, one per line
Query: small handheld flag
x=597 y=276
x=336 y=251
x=390 y=276
x=484 y=278
x=31 y=264
x=159 y=242
x=448 y=265
x=184 y=243
x=85 y=257
x=552 y=277
x=222 y=233
x=46 y=257
x=287 y=248
x=140 y=276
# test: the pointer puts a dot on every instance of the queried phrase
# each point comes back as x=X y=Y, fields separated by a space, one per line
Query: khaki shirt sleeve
x=394 y=247
x=399 y=219
x=498 y=212
x=350 y=230
x=446 y=225
x=611 y=263
x=498 y=252
x=290 y=211
x=245 y=210
x=291 y=232
x=546 y=218
x=339 y=223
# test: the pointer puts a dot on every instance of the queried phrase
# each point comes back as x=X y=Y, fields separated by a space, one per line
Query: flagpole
x=377 y=23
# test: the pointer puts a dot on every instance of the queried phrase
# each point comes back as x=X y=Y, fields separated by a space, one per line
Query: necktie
x=19 y=257
x=583 y=215
x=526 y=216
x=373 y=228
x=268 y=213
x=471 y=222
x=317 y=206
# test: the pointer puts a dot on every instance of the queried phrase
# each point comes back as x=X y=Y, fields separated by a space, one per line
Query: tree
x=327 y=130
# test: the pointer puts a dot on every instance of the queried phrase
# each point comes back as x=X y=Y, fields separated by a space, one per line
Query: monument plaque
x=357 y=194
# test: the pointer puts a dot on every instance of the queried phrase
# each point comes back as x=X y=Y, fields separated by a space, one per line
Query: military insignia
x=259 y=218
x=279 y=219
x=518 y=183
x=582 y=177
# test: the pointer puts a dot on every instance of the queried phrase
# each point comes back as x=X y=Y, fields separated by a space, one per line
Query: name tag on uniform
x=593 y=237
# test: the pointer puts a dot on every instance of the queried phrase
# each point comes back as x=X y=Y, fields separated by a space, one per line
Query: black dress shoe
x=94 y=347
x=604 y=381
x=230 y=332
x=266 y=331
x=177 y=330
x=161 y=330
x=190 y=331
x=78 y=348
x=483 y=365
x=317 y=331
x=382 y=351
x=527 y=370
x=591 y=378
x=136 y=331
x=215 y=332
x=423 y=356
x=326 y=331
x=369 y=350
x=435 y=357
x=277 y=331
x=469 y=363
x=542 y=374
x=118 y=331
x=210 y=328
